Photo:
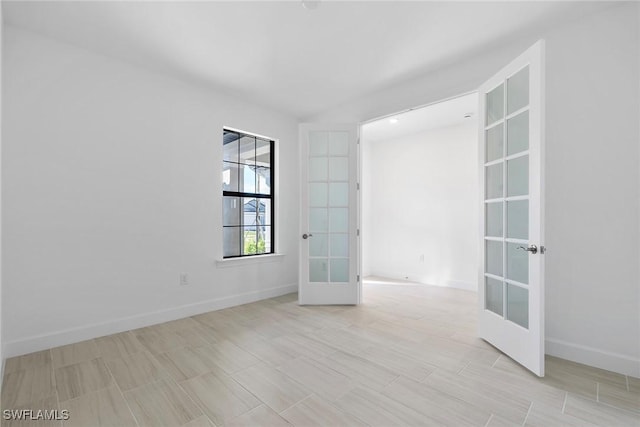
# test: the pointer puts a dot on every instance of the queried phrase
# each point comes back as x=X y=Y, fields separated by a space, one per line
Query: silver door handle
x=532 y=248
x=306 y=236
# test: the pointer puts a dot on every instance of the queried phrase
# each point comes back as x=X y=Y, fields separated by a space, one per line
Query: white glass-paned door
x=329 y=237
x=511 y=297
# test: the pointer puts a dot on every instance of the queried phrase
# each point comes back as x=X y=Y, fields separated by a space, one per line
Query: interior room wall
x=592 y=174
x=111 y=187
x=1 y=131
x=421 y=207
x=592 y=184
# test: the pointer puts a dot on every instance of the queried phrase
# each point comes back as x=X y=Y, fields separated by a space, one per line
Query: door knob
x=532 y=248
x=306 y=236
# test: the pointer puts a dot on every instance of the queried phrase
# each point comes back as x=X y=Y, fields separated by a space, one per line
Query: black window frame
x=255 y=196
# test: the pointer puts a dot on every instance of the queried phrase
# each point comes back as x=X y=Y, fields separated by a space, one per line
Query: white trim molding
x=615 y=362
x=248 y=260
x=96 y=330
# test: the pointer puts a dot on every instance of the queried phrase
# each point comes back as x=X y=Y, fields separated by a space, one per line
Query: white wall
x=421 y=207
x=111 y=188
x=1 y=131
x=592 y=172
x=592 y=183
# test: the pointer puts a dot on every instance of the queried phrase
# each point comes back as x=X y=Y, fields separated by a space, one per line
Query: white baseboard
x=458 y=284
x=70 y=336
x=467 y=286
x=620 y=363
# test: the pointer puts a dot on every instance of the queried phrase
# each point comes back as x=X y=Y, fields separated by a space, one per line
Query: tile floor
x=407 y=356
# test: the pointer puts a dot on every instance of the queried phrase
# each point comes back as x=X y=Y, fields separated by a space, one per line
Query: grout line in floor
x=113 y=378
x=463 y=368
x=55 y=385
x=524 y=422
x=168 y=375
x=489 y=420
x=564 y=404
x=494 y=363
x=597 y=392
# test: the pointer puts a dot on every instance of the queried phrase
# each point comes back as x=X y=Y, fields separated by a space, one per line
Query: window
x=247 y=194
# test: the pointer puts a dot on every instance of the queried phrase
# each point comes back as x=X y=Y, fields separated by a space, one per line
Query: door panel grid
x=328 y=187
x=511 y=132
x=507 y=177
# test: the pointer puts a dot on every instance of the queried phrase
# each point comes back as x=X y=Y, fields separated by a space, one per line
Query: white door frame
x=360 y=142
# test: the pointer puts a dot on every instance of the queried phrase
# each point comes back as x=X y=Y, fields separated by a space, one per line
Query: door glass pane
x=338 y=169
x=518 y=219
x=494 y=181
x=518 y=133
x=495 y=105
x=518 y=90
x=339 y=245
x=493 y=295
x=318 y=270
x=518 y=305
x=494 y=257
x=339 y=144
x=231 y=236
x=339 y=219
x=494 y=219
x=339 y=194
x=318 y=143
x=518 y=176
x=318 y=245
x=495 y=142
x=318 y=194
x=318 y=169
x=517 y=263
x=318 y=219
x=339 y=270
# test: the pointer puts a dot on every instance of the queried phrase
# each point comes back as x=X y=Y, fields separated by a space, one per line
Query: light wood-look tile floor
x=407 y=356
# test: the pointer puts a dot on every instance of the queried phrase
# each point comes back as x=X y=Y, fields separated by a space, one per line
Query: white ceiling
x=442 y=114
x=284 y=56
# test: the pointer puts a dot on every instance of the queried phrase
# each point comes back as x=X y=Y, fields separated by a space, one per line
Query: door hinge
x=358 y=232
x=358 y=142
x=358 y=278
x=358 y=186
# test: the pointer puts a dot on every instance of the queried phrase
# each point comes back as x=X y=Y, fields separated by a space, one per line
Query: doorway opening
x=420 y=193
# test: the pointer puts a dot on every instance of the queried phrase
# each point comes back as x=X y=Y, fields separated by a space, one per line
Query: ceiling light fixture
x=310 y=4
x=393 y=120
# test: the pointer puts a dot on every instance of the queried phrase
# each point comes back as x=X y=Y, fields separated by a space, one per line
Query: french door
x=511 y=288
x=329 y=215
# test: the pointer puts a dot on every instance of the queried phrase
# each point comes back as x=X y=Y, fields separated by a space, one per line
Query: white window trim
x=248 y=260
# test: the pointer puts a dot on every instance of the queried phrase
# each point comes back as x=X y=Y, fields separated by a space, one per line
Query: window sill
x=258 y=259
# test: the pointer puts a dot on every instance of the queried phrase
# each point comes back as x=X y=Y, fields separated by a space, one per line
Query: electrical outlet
x=184 y=279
